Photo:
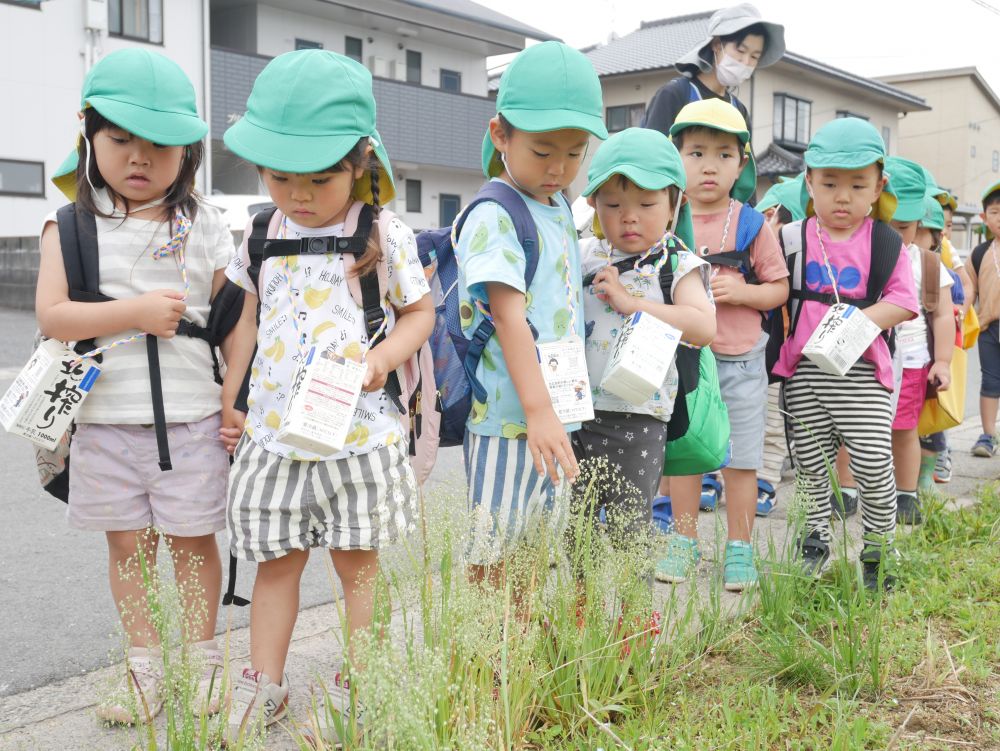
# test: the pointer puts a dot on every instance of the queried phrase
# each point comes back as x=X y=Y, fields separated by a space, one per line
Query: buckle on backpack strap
x=373 y=320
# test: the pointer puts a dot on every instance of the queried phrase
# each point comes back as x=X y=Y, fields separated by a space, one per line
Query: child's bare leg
x=684 y=499
x=988 y=413
x=844 y=475
x=741 y=503
x=127 y=585
x=198 y=569
x=906 y=458
x=357 y=570
x=273 y=611
x=664 y=488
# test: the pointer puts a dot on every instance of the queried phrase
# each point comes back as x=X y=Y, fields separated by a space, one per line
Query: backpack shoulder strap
x=667 y=271
x=81 y=260
x=255 y=242
x=930 y=279
x=978 y=254
x=510 y=201
x=792 y=239
x=694 y=95
x=886 y=246
x=748 y=226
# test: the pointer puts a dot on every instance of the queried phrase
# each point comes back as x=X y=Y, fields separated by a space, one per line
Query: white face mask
x=731 y=72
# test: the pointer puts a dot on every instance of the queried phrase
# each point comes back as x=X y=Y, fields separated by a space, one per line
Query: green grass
x=802 y=665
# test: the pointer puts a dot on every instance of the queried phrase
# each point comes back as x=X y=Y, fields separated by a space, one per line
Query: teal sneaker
x=740 y=571
x=680 y=561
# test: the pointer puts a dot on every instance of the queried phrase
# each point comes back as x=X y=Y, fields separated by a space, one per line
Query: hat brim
x=299 y=154
x=842 y=159
x=64 y=177
x=541 y=121
x=163 y=128
x=991 y=189
x=774 y=47
x=909 y=210
x=642 y=177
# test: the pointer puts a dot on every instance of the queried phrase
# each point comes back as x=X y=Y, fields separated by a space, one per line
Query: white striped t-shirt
x=128 y=269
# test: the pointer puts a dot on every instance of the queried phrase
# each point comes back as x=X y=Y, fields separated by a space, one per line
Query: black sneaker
x=813 y=554
x=908 y=509
x=876 y=559
x=850 y=505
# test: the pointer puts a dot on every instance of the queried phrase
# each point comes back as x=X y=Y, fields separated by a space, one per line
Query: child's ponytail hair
x=181 y=195
x=359 y=156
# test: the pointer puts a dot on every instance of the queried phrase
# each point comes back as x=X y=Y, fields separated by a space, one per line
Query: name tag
x=321 y=404
x=564 y=368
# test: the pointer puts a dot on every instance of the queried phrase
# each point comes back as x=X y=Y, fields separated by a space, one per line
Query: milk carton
x=641 y=358
x=840 y=339
x=322 y=402
x=46 y=395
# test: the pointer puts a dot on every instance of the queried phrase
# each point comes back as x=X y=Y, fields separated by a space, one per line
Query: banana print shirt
x=488 y=252
x=332 y=320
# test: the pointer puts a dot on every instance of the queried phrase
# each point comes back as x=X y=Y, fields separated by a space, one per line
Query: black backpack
x=81 y=260
x=978 y=253
x=886 y=245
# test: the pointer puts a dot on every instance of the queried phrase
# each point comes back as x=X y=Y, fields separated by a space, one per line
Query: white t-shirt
x=911 y=336
x=602 y=323
x=331 y=319
x=121 y=395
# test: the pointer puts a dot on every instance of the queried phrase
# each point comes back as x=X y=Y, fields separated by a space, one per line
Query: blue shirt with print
x=488 y=252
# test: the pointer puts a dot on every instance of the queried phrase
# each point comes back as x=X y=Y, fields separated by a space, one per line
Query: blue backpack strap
x=748 y=226
x=694 y=95
x=510 y=201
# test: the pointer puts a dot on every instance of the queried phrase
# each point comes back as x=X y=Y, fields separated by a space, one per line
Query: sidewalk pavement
x=61 y=715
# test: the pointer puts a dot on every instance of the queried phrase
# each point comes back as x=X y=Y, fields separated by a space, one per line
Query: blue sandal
x=711 y=492
x=663 y=514
x=767 y=499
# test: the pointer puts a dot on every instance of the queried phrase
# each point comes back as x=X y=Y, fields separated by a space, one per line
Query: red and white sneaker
x=258 y=702
x=324 y=725
x=209 y=697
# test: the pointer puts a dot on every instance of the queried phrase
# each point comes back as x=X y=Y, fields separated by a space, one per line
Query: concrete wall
x=18 y=272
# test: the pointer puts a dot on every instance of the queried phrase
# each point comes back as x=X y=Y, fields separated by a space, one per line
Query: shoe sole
x=128 y=718
x=942 y=480
x=982 y=452
x=667 y=579
x=738 y=587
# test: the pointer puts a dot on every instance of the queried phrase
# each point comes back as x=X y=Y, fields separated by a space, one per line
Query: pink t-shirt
x=738 y=326
x=851 y=260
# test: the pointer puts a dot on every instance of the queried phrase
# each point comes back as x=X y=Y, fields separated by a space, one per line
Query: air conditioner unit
x=397 y=70
x=379 y=66
x=95 y=15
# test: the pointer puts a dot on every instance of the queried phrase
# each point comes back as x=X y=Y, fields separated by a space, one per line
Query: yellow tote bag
x=947 y=409
x=970 y=328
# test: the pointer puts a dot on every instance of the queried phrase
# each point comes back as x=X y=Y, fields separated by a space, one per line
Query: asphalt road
x=57 y=618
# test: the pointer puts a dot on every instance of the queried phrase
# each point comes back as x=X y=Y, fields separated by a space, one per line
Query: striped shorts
x=277 y=504
x=508 y=501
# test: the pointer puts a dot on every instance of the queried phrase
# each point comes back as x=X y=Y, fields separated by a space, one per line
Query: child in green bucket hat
x=920 y=364
x=161 y=253
x=548 y=106
x=845 y=250
x=636 y=186
x=749 y=277
x=310 y=130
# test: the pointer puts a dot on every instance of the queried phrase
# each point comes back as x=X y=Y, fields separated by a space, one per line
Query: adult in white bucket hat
x=739 y=41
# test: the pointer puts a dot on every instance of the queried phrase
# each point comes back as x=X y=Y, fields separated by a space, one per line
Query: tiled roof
x=776 y=161
x=481 y=14
x=656 y=45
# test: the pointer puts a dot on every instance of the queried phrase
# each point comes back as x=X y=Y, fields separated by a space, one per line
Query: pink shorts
x=912 y=393
x=115 y=482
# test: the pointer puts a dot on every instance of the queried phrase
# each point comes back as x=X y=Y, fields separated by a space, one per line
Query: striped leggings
x=827 y=412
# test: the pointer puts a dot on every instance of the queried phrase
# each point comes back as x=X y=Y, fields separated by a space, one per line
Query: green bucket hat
x=850 y=143
x=939 y=194
x=144 y=93
x=788 y=194
x=720 y=115
x=933 y=217
x=648 y=159
x=991 y=189
x=548 y=86
x=306 y=111
x=908 y=184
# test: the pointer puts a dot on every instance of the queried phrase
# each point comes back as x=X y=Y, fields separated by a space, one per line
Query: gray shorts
x=116 y=484
x=744 y=390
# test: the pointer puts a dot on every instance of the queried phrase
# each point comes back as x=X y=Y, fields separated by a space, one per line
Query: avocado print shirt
x=488 y=252
x=332 y=320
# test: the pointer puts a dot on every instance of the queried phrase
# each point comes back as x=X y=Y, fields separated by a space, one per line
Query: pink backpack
x=417 y=390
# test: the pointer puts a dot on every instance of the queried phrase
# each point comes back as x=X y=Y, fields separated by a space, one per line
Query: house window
x=414 y=62
x=448 y=208
x=36 y=4
x=353 y=48
x=846 y=113
x=996 y=161
x=886 y=137
x=972 y=151
x=792 y=121
x=20 y=178
x=451 y=80
x=305 y=44
x=624 y=116
x=136 y=19
x=413 y=189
